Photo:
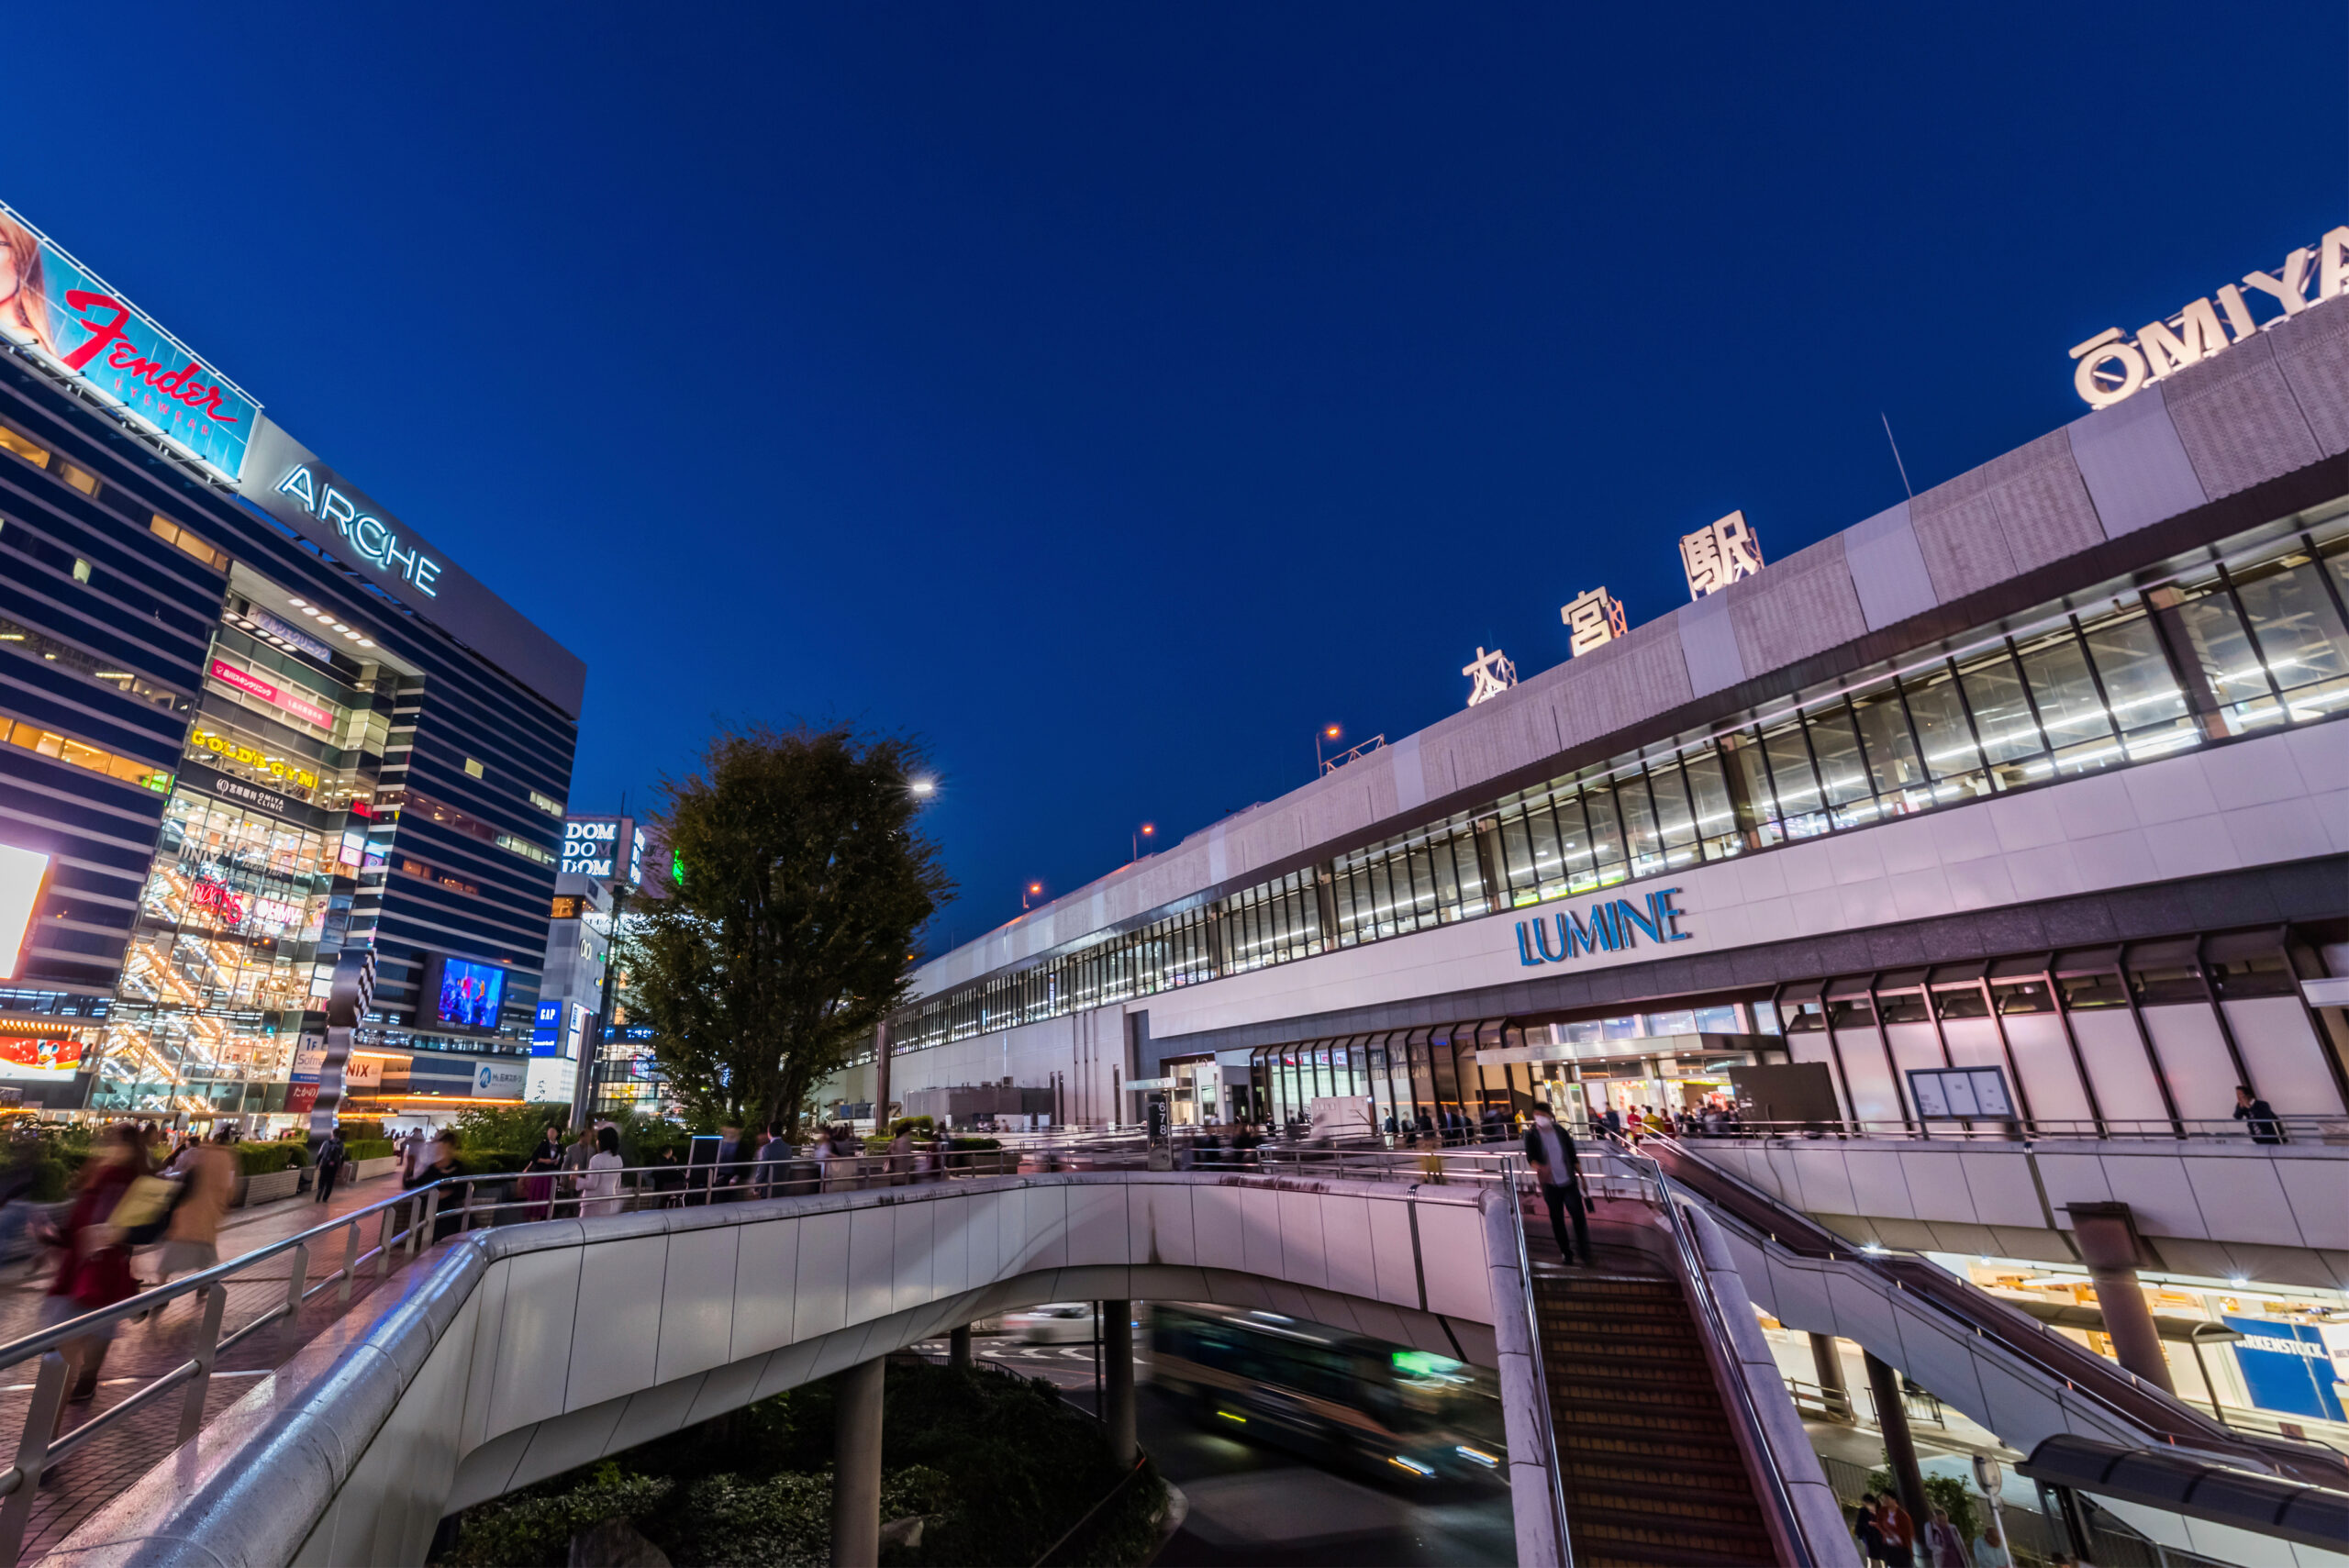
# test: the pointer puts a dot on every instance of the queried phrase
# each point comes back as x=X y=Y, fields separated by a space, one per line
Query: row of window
x=49 y=743
x=53 y=651
x=408 y=800
x=2222 y=650
x=16 y=443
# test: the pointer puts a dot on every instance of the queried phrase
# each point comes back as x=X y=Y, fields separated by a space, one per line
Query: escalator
x=2162 y=1420
x=1649 y=1465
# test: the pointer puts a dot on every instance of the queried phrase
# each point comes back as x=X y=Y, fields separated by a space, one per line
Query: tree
x=785 y=938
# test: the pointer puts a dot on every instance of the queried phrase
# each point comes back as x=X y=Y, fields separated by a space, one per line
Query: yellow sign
x=274 y=766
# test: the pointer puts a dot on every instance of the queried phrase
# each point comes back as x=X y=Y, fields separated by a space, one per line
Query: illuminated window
x=81 y=569
x=551 y=808
x=81 y=479
x=24 y=447
x=473 y=767
x=49 y=743
x=163 y=527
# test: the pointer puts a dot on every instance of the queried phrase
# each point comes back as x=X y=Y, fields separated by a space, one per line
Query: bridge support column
x=2109 y=1246
x=856 y=1466
x=1830 y=1361
x=1118 y=1377
x=958 y=1346
x=1899 y=1449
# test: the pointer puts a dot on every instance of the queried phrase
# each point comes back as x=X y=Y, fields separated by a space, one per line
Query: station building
x=2028 y=796
x=253 y=723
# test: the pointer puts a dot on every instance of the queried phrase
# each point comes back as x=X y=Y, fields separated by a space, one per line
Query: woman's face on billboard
x=11 y=269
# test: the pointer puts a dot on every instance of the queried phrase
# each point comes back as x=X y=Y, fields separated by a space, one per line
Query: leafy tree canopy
x=786 y=937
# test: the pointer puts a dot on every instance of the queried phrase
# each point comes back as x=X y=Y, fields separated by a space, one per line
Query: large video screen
x=21 y=872
x=470 y=995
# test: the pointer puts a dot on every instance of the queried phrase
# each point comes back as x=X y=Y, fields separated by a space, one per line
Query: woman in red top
x=96 y=1269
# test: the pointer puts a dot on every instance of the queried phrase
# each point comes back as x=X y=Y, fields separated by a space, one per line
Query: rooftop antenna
x=1896 y=454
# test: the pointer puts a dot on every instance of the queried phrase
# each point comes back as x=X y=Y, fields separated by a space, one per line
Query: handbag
x=144 y=1210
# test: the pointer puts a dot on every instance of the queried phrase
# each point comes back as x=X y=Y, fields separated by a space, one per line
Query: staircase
x=1651 y=1472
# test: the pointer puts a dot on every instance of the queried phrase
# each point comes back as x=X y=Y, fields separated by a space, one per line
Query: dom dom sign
x=2112 y=365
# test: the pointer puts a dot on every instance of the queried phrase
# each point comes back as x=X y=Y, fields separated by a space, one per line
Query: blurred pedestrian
x=443 y=1166
x=1990 y=1546
x=775 y=1163
x=95 y=1269
x=1899 y=1532
x=191 y=1242
x=1943 y=1547
x=536 y=1188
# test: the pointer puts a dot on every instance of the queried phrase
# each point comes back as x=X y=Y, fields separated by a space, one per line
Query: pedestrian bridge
x=528 y=1350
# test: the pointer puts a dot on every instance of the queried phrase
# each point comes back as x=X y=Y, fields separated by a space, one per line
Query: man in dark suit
x=1550 y=1150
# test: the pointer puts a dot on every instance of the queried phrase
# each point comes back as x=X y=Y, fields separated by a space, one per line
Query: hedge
x=265 y=1159
x=368 y=1148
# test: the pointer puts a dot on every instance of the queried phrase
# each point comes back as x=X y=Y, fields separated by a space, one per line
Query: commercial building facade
x=255 y=723
x=2042 y=771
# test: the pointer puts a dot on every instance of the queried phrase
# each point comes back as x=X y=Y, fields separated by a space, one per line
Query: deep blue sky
x=1112 y=394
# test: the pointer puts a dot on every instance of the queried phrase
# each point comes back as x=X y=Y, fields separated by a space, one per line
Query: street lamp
x=922 y=789
x=1144 y=831
x=1033 y=890
x=1327 y=732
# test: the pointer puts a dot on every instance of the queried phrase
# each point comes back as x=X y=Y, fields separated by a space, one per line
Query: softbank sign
x=1614 y=925
x=2112 y=365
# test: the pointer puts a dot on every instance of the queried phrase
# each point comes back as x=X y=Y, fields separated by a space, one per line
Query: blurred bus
x=1353 y=1403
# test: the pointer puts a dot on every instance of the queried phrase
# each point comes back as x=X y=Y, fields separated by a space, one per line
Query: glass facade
x=219 y=972
x=2257 y=639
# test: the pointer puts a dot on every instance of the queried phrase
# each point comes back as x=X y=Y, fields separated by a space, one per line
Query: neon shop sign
x=1614 y=925
x=375 y=541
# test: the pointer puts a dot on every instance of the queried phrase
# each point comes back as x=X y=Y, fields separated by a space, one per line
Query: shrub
x=534 y=1527
x=920 y=1126
x=510 y=1129
x=368 y=1148
x=974 y=1145
x=361 y=1130
x=267 y=1159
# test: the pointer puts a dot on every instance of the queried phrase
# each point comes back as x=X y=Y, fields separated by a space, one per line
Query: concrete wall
x=2266 y=408
x=534 y=1349
x=2214 y=1210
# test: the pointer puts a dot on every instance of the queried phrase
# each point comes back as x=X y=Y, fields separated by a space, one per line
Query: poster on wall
x=78 y=326
x=2286 y=1367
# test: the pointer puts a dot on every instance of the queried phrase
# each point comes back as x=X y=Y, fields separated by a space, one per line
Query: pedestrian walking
x=1867 y=1531
x=599 y=1189
x=443 y=1166
x=574 y=1163
x=1943 y=1547
x=1899 y=1532
x=1550 y=1150
x=331 y=1157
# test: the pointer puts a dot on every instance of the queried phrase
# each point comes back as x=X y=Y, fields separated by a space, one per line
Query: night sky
x=1114 y=395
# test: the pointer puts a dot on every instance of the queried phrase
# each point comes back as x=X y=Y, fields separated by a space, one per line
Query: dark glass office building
x=254 y=722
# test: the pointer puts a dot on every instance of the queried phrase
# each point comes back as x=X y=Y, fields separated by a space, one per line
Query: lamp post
x=1144 y=831
x=1321 y=763
x=1033 y=890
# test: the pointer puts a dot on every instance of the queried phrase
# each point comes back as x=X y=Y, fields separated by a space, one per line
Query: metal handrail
x=1778 y=1496
x=1512 y=1175
x=2290 y=1129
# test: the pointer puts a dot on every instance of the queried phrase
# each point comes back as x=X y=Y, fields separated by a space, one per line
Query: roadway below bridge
x=1258 y=1505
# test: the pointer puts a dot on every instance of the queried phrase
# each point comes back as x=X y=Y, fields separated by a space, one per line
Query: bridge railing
x=393 y=1229
x=2282 y=1130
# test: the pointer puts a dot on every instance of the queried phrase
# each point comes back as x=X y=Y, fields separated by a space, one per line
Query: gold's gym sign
x=2112 y=365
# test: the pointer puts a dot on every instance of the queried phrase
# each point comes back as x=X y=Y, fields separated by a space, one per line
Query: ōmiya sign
x=2112 y=365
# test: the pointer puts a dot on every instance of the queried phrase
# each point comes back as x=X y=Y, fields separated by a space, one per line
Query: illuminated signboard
x=39 y=1056
x=597 y=846
x=461 y=993
x=21 y=873
x=252 y=686
x=1712 y=558
x=1613 y=925
x=2112 y=365
x=376 y=540
x=74 y=324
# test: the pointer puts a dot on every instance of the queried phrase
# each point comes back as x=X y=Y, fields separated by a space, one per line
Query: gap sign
x=1613 y=926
